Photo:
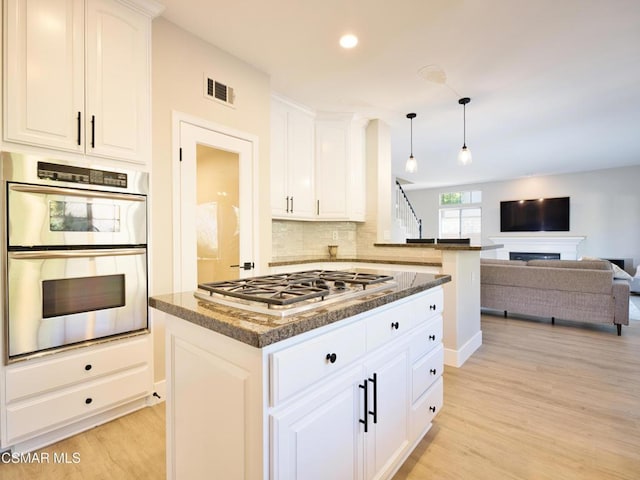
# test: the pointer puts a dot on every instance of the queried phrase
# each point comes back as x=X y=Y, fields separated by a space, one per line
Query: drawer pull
x=374 y=412
x=88 y=367
x=432 y=337
x=432 y=307
x=332 y=357
x=433 y=409
x=88 y=400
x=395 y=325
x=433 y=371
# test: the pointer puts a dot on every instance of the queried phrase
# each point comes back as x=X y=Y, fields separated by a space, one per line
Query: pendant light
x=411 y=166
x=464 y=157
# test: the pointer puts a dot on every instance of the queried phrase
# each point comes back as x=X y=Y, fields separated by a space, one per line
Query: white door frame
x=176 y=119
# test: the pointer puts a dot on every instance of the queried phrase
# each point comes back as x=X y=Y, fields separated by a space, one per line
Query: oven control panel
x=86 y=176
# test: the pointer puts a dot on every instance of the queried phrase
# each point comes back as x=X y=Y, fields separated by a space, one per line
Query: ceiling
x=553 y=84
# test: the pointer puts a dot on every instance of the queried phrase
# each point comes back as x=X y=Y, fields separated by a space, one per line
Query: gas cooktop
x=289 y=293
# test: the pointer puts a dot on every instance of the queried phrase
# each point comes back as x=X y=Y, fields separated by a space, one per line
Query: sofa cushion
x=585 y=264
x=544 y=278
x=500 y=261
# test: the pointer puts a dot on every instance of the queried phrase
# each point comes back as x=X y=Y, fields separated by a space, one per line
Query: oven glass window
x=83 y=217
x=67 y=296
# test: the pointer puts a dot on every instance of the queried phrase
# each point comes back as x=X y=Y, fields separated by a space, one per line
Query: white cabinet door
x=320 y=437
x=332 y=159
x=44 y=73
x=300 y=165
x=388 y=437
x=279 y=193
x=292 y=162
x=117 y=81
x=356 y=190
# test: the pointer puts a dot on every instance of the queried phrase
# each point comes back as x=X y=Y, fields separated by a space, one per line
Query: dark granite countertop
x=260 y=330
x=441 y=246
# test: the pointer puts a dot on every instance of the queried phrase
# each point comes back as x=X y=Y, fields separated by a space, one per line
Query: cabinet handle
x=332 y=357
x=88 y=400
x=79 y=128
x=433 y=371
x=287 y=204
x=395 y=325
x=93 y=131
x=374 y=380
x=432 y=338
x=366 y=406
x=88 y=367
x=291 y=204
x=432 y=307
x=433 y=409
x=318 y=208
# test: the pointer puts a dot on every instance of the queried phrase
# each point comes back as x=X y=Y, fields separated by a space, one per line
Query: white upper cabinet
x=44 y=68
x=317 y=164
x=117 y=81
x=292 y=162
x=340 y=167
x=332 y=174
x=77 y=77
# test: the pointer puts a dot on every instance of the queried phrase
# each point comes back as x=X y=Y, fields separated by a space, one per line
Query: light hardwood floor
x=535 y=402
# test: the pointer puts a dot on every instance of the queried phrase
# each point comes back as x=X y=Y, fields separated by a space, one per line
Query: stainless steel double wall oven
x=75 y=254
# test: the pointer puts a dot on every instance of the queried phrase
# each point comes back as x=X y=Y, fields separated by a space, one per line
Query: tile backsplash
x=291 y=238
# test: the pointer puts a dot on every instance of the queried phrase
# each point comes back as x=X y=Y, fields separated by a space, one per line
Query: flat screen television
x=539 y=215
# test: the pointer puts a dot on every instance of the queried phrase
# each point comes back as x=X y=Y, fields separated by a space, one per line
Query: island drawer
x=55 y=409
x=426 y=371
x=427 y=338
x=35 y=377
x=397 y=320
x=303 y=364
x=427 y=407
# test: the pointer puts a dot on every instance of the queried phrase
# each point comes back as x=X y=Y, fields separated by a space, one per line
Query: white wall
x=604 y=207
x=180 y=61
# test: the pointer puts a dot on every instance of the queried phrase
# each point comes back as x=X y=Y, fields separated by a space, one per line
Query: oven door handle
x=51 y=254
x=44 y=190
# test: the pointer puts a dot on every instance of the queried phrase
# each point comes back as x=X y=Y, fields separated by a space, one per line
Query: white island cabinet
x=347 y=400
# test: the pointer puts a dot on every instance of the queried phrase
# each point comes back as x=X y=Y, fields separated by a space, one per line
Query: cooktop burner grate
x=290 y=288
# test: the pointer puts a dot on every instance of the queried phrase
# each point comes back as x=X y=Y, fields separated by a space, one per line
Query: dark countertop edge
x=442 y=246
x=206 y=318
x=385 y=261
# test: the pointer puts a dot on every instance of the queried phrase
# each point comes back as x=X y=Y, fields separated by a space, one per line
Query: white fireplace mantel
x=567 y=247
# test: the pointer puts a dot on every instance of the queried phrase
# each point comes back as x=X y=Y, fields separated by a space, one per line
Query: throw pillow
x=617 y=271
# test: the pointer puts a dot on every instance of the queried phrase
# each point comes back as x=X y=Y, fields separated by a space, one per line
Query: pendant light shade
x=412 y=165
x=464 y=157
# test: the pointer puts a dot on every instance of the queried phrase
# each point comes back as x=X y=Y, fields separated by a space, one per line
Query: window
x=461 y=215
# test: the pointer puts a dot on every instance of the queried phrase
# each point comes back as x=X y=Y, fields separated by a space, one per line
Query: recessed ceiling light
x=348 y=40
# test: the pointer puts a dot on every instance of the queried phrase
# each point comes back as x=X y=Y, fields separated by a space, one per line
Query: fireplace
x=567 y=247
x=526 y=256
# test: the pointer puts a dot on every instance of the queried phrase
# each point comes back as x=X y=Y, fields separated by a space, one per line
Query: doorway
x=214 y=210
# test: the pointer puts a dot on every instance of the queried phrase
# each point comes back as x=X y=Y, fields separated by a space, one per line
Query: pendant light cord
x=464 y=125
x=411 y=137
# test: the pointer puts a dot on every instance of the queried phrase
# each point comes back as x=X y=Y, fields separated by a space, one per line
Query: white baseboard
x=456 y=358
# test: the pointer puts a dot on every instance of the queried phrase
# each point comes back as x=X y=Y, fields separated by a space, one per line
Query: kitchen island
x=462 y=332
x=341 y=391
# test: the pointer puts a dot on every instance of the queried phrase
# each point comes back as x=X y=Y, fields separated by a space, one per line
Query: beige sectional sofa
x=583 y=291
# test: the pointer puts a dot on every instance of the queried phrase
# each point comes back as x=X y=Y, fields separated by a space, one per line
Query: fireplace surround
x=567 y=247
